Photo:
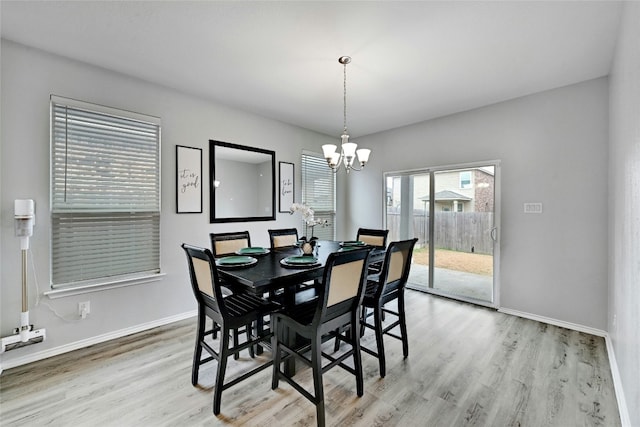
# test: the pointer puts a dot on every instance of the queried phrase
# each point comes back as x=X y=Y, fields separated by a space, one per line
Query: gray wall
x=553 y=149
x=624 y=208
x=28 y=77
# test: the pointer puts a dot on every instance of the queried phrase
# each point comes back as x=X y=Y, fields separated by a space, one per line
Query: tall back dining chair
x=228 y=243
x=230 y=312
x=389 y=286
x=224 y=244
x=283 y=237
x=336 y=308
x=373 y=237
x=287 y=238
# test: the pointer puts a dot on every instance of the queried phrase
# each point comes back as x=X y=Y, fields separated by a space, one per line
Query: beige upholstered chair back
x=202 y=271
x=373 y=237
x=283 y=237
x=224 y=247
x=228 y=243
x=286 y=240
x=397 y=264
x=345 y=282
x=372 y=240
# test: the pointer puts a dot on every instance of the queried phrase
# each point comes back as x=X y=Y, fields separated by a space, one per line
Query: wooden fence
x=458 y=231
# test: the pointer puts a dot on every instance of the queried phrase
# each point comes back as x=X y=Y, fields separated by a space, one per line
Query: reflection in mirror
x=242 y=183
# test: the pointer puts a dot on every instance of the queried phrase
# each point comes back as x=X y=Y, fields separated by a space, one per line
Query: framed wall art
x=188 y=179
x=287 y=187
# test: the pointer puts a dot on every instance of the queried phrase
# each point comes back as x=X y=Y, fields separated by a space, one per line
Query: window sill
x=96 y=287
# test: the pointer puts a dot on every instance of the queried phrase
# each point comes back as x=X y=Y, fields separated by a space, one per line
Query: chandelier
x=348 y=150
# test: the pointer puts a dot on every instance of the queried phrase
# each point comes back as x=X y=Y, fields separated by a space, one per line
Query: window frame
x=470 y=181
x=129 y=211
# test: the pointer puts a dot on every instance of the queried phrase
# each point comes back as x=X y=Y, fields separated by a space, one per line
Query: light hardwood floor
x=467 y=365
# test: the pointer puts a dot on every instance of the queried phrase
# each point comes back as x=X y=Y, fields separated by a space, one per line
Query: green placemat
x=353 y=243
x=254 y=250
x=302 y=260
x=235 y=260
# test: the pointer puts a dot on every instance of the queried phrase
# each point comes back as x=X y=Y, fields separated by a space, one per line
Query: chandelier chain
x=345 y=97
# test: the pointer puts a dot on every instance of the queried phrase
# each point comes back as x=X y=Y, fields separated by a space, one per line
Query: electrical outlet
x=84 y=308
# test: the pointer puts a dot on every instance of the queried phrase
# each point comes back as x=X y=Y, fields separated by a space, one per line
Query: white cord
x=38 y=302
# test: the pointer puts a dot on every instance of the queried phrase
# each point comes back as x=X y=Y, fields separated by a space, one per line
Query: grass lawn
x=454 y=260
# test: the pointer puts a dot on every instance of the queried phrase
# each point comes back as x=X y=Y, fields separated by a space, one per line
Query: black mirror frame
x=212 y=174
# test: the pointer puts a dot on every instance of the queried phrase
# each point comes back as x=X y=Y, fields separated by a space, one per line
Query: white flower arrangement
x=307 y=212
x=307 y=216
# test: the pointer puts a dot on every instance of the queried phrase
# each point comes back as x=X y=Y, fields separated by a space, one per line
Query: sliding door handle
x=494 y=234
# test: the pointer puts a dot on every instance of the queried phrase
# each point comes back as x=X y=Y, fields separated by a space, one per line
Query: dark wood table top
x=268 y=274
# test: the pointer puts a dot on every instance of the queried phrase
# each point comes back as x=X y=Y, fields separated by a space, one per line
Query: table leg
x=289 y=338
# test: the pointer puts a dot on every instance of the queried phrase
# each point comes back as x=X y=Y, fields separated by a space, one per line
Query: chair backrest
x=344 y=281
x=204 y=277
x=228 y=243
x=283 y=237
x=373 y=237
x=395 y=267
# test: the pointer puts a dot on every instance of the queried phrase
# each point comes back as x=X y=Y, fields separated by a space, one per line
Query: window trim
x=75 y=287
x=70 y=290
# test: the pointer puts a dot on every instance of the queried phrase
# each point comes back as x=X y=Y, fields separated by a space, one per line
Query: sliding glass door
x=452 y=212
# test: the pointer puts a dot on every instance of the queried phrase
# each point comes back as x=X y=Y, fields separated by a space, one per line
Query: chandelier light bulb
x=328 y=150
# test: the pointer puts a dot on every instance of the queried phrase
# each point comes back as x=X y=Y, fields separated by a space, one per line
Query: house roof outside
x=447 y=195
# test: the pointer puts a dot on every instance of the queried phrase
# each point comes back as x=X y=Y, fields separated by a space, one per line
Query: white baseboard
x=613 y=365
x=625 y=419
x=555 y=322
x=34 y=357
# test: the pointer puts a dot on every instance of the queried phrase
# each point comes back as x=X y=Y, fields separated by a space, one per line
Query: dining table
x=269 y=273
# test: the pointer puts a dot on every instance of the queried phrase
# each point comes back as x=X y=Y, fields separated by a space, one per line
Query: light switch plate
x=533 y=208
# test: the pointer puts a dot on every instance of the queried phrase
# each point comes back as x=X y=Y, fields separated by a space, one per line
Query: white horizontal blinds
x=103 y=162
x=105 y=193
x=318 y=192
x=94 y=246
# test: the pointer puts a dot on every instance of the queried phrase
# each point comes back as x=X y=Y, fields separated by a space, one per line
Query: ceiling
x=411 y=61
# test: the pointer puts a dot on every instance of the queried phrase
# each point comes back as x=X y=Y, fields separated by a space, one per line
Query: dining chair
x=230 y=312
x=386 y=287
x=286 y=238
x=373 y=237
x=223 y=244
x=283 y=237
x=337 y=307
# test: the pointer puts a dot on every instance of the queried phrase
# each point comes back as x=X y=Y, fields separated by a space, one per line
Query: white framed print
x=188 y=179
x=287 y=186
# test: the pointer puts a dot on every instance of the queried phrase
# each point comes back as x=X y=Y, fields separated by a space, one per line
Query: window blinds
x=318 y=192
x=105 y=193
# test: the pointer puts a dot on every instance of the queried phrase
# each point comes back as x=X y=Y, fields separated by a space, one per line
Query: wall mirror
x=242 y=183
